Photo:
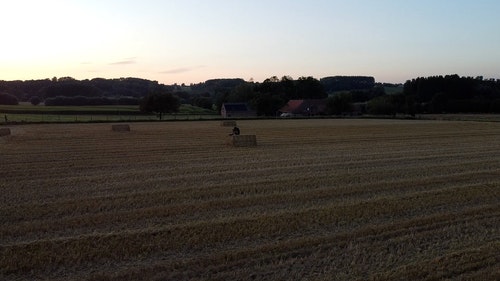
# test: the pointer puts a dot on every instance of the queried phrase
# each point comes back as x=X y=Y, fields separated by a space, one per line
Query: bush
x=383 y=105
x=8 y=99
x=339 y=104
x=34 y=100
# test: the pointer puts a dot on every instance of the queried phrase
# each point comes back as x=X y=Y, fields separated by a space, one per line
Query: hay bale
x=4 y=132
x=228 y=123
x=243 y=140
x=120 y=128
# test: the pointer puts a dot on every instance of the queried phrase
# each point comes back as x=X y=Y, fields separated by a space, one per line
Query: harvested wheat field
x=314 y=200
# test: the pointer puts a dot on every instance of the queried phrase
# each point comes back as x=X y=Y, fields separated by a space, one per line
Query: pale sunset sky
x=190 y=41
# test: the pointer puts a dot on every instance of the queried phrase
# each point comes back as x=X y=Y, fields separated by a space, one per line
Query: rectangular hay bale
x=228 y=123
x=4 y=132
x=120 y=128
x=243 y=140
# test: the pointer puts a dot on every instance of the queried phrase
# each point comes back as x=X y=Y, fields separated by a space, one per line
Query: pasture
x=27 y=113
x=314 y=200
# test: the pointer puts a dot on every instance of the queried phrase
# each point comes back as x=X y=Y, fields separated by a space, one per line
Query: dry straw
x=228 y=123
x=4 y=132
x=121 y=128
x=243 y=140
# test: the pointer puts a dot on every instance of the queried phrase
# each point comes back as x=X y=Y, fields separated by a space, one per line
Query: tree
x=410 y=106
x=438 y=102
x=271 y=86
x=8 y=99
x=35 y=100
x=339 y=103
x=333 y=84
x=71 y=88
x=310 y=88
x=384 y=105
x=160 y=103
x=267 y=104
x=287 y=88
x=203 y=102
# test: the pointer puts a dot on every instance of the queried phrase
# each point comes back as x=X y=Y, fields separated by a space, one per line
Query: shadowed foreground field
x=315 y=200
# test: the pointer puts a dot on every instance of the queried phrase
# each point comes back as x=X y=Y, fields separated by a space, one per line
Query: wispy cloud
x=125 y=61
x=181 y=70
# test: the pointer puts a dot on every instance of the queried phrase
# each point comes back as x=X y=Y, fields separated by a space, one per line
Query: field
x=28 y=113
x=314 y=200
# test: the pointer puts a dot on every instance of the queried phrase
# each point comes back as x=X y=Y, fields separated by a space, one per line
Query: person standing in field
x=236 y=131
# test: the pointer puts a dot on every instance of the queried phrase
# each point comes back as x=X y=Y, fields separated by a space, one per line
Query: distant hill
x=69 y=87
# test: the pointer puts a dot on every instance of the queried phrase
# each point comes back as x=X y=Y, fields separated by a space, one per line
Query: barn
x=231 y=110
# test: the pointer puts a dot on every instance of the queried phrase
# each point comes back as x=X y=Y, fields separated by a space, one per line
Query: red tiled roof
x=308 y=106
x=292 y=106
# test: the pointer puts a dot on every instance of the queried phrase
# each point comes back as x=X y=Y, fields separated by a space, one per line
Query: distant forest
x=436 y=94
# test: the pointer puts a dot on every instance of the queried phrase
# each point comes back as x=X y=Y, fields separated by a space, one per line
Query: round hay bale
x=4 y=132
x=120 y=128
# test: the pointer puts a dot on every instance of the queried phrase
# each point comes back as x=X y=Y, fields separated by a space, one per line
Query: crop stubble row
x=170 y=200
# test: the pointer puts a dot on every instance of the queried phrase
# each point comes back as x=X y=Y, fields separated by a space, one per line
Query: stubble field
x=315 y=200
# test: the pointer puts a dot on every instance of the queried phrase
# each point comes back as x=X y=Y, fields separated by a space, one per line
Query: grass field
x=314 y=200
x=28 y=113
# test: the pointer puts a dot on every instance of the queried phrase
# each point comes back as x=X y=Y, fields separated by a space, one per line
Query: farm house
x=305 y=107
x=236 y=110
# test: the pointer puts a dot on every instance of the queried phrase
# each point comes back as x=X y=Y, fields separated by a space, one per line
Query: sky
x=191 y=41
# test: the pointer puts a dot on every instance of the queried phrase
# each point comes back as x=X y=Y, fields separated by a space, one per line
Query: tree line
x=67 y=88
x=342 y=94
x=267 y=97
x=454 y=94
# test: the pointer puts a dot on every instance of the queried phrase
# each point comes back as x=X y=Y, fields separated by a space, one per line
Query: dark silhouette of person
x=236 y=131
